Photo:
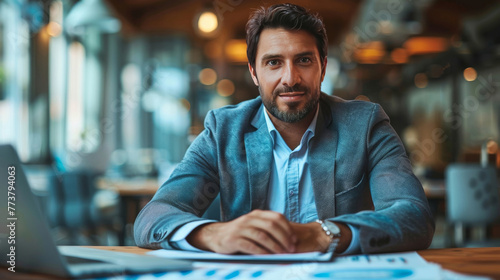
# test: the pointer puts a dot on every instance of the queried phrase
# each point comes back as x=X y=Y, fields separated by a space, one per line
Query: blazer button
x=380 y=242
x=387 y=239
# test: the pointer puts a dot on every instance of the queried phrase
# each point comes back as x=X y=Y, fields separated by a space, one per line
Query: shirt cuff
x=354 y=247
x=179 y=241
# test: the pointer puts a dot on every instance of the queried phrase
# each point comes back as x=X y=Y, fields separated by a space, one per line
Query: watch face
x=332 y=227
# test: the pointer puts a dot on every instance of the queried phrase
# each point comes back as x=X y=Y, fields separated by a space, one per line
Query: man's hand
x=311 y=237
x=258 y=232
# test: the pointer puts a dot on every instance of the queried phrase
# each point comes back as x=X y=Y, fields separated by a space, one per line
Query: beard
x=294 y=114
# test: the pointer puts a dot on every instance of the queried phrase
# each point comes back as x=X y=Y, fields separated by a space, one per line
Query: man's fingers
x=264 y=240
x=276 y=226
x=259 y=232
x=277 y=232
x=249 y=247
x=274 y=216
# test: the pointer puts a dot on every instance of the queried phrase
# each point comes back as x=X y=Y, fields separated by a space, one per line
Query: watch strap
x=334 y=237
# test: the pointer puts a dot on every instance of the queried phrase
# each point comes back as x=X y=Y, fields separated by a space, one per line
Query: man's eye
x=305 y=60
x=273 y=62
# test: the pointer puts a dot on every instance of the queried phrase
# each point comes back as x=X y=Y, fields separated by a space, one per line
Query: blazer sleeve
x=401 y=219
x=185 y=196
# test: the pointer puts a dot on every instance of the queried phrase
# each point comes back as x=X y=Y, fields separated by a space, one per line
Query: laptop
x=26 y=242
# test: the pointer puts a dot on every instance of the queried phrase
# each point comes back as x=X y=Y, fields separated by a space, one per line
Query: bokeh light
x=54 y=29
x=207 y=22
x=225 y=87
x=470 y=74
x=207 y=76
x=421 y=80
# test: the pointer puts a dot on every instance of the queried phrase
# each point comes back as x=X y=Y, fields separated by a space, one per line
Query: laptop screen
x=24 y=234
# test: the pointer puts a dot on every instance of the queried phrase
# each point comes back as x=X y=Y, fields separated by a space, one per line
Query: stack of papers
x=209 y=256
x=408 y=265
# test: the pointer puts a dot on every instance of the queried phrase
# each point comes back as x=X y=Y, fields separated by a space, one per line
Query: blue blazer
x=360 y=171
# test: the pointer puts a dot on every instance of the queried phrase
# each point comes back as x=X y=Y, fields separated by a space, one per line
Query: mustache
x=285 y=89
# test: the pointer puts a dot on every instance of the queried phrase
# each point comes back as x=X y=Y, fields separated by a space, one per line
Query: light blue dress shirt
x=290 y=190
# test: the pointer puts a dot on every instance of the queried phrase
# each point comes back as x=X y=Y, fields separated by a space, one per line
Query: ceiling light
x=207 y=23
x=470 y=74
x=399 y=55
x=370 y=52
x=425 y=45
x=236 y=50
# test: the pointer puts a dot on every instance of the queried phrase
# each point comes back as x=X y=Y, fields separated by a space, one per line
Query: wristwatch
x=333 y=231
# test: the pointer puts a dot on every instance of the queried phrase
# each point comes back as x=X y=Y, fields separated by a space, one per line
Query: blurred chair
x=472 y=200
x=55 y=203
x=75 y=205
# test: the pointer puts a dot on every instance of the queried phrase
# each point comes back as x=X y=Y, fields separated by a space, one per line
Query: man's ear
x=323 y=69
x=254 y=74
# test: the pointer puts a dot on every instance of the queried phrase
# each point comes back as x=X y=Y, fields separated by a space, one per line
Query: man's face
x=288 y=72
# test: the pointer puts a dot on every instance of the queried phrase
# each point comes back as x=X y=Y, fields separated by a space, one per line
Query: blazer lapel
x=322 y=152
x=258 y=146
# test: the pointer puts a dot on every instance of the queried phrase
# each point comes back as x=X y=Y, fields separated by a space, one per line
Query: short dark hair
x=287 y=16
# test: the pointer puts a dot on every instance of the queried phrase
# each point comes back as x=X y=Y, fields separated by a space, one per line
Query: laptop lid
x=28 y=243
x=24 y=234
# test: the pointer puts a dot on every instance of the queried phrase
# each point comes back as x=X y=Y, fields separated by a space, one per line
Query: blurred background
x=101 y=98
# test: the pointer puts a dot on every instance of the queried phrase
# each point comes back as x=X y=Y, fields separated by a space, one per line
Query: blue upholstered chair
x=472 y=200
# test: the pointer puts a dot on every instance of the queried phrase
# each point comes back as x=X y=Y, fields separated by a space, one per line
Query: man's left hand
x=311 y=237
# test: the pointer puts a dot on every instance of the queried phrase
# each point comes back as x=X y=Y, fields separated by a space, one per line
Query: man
x=297 y=170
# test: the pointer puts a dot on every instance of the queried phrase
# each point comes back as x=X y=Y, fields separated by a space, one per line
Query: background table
x=132 y=193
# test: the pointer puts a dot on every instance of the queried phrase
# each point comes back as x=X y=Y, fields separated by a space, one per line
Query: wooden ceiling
x=167 y=16
x=445 y=17
x=442 y=17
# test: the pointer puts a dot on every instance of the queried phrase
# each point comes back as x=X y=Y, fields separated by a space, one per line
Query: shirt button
x=291 y=192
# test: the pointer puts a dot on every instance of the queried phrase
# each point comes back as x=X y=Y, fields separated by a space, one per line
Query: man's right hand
x=258 y=232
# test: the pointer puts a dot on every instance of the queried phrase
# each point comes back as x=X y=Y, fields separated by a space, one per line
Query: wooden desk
x=474 y=261
x=434 y=189
x=130 y=187
x=132 y=192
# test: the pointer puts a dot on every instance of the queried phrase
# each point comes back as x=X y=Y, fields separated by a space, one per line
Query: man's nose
x=290 y=76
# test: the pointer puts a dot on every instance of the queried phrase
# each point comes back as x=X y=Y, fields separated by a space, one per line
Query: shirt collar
x=272 y=130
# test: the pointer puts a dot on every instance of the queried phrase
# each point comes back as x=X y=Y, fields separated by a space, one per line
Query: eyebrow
x=270 y=56
x=273 y=56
